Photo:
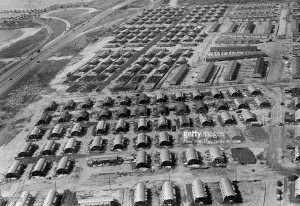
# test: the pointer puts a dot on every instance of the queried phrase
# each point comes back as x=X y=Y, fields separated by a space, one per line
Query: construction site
x=178 y=105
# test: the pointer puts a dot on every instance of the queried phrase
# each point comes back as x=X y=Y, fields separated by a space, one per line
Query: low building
x=239 y=103
x=216 y=156
x=179 y=96
x=140 y=194
x=164 y=139
x=233 y=92
x=107 y=102
x=16 y=170
x=49 y=148
x=221 y=105
x=87 y=103
x=248 y=116
x=142 y=111
x=125 y=100
x=163 y=123
x=83 y=115
x=77 y=129
x=231 y=71
x=259 y=68
x=119 y=143
x=253 y=90
x=56 y=132
x=261 y=101
x=101 y=127
x=64 y=166
x=27 y=150
x=70 y=105
x=142 y=160
x=51 y=106
x=168 y=193
x=24 y=199
x=44 y=119
x=192 y=157
x=227 y=190
x=52 y=198
x=205 y=73
x=199 y=192
x=227 y=118
x=216 y=93
x=143 y=125
x=104 y=113
x=297 y=188
x=65 y=116
x=181 y=108
x=205 y=120
x=36 y=133
x=197 y=95
x=166 y=158
x=143 y=99
x=97 y=144
x=121 y=126
x=41 y=168
x=201 y=107
x=70 y=146
x=180 y=72
x=297 y=102
x=162 y=109
x=143 y=141
x=184 y=121
x=235 y=134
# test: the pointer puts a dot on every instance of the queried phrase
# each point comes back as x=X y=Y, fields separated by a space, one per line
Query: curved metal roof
x=39 y=165
x=142 y=122
x=143 y=96
x=191 y=154
x=104 y=112
x=142 y=138
x=215 y=91
x=198 y=189
x=63 y=162
x=77 y=127
x=163 y=136
x=14 y=167
x=26 y=147
x=297 y=187
x=24 y=197
x=96 y=142
x=36 y=130
x=123 y=109
x=118 y=140
x=160 y=95
x=238 y=101
x=204 y=119
x=226 y=187
x=140 y=193
x=180 y=106
x=233 y=132
x=49 y=145
x=165 y=155
x=121 y=123
x=215 y=153
x=246 y=114
x=50 y=198
x=179 y=94
x=226 y=116
x=70 y=143
x=141 y=157
x=57 y=129
x=101 y=125
x=162 y=120
x=167 y=190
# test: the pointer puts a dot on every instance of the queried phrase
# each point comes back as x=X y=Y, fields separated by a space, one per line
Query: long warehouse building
x=259 y=67
x=231 y=70
x=233 y=48
x=181 y=71
x=234 y=56
x=205 y=72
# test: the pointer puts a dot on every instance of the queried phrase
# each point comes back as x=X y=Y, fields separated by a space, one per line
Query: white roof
x=198 y=189
x=140 y=193
x=167 y=190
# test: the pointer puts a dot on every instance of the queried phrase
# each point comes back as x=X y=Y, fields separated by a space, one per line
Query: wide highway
x=15 y=74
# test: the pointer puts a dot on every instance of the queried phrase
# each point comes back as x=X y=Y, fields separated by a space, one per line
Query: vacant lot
x=57 y=27
x=69 y=12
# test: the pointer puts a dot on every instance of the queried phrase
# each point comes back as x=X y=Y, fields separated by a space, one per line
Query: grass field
x=138 y=4
x=74 y=46
x=69 y=12
x=23 y=46
x=57 y=27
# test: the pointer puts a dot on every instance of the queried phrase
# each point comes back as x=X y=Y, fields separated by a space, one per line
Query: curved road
x=14 y=75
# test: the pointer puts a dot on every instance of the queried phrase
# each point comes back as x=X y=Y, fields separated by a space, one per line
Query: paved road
x=49 y=30
x=14 y=75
